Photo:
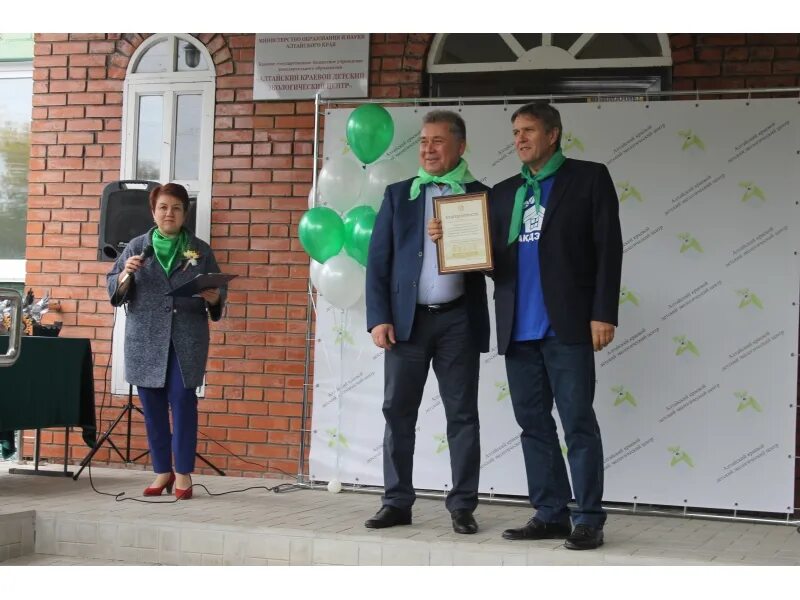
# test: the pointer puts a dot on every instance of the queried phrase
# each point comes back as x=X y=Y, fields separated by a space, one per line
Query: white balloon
x=334 y=486
x=315 y=270
x=339 y=183
x=341 y=281
x=359 y=308
x=379 y=175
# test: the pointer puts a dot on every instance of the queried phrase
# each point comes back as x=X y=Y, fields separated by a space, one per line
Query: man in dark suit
x=558 y=260
x=421 y=317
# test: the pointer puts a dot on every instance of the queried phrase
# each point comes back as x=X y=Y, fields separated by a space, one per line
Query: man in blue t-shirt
x=531 y=322
x=557 y=250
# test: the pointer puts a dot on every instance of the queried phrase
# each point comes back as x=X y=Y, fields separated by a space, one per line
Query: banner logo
x=748 y=298
x=623 y=395
x=628 y=191
x=626 y=295
x=751 y=190
x=746 y=401
x=690 y=139
x=688 y=242
x=342 y=335
x=502 y=390
x=441 y=440
x=569 y=141
x=335 y=437
x=684 y=345
x=679 y=456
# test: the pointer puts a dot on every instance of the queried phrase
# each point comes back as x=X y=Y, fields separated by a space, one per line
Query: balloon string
x=324 y=348
x=339 y=394
x=330 y=370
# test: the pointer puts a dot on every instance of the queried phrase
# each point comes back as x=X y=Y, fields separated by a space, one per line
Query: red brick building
x=261 y=173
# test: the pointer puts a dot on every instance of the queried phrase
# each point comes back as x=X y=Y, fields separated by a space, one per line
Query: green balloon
x=358 y=224
x=321 y=233
x=370 y=130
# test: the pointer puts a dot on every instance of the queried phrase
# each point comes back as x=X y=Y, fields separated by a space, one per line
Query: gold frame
x=487 y=265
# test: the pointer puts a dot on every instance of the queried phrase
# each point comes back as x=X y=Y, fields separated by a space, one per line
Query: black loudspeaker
x=125 y=214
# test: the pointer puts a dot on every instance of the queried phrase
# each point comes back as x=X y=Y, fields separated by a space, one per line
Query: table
x=50 y=385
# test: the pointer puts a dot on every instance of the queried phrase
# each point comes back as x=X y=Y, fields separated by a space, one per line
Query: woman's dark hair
x=170 y=189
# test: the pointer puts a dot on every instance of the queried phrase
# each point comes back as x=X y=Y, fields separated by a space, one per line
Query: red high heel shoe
x=156 y=491
x=184 y=494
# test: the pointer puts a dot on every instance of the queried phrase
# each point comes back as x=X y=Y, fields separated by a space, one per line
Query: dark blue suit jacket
x=580 y=252
x=394 y=264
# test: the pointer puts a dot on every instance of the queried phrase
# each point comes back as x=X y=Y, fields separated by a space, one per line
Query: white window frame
x=13 y=270
x=168 y=85
x=546 y=56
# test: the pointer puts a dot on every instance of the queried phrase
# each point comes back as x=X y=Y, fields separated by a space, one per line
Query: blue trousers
x=156 y=403
x=539 y=371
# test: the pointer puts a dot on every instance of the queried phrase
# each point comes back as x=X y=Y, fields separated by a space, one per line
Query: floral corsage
x=190 y=257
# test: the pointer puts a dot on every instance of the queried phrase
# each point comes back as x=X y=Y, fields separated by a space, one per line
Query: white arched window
x=168 y=126
x=542 y=63
x=168 y=118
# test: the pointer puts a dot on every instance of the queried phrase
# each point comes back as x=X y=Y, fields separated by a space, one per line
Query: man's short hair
x=457 y=125
x=545 y=112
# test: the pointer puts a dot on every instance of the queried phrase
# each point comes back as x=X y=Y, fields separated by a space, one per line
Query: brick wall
x=708 y=61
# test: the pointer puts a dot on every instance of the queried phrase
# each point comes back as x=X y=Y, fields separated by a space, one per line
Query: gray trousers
x=445 y=340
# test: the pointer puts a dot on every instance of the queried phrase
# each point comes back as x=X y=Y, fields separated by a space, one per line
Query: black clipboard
x=201 y=282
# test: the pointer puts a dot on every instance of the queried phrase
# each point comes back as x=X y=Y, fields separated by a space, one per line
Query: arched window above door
x=525 y=51
x=489 y=64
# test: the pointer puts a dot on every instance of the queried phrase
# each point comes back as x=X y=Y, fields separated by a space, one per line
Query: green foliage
x=14 y=156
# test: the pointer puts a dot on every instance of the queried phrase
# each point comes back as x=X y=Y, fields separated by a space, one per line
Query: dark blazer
x=154 y=319
x=394 y=264
x=580 y=252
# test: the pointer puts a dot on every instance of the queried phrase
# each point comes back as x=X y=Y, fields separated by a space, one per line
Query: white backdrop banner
x=696 y=395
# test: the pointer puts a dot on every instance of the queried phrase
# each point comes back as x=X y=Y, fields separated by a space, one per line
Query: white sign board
x=300 y=65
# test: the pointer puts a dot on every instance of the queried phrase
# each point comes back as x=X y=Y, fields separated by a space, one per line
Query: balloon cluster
x=337 y=236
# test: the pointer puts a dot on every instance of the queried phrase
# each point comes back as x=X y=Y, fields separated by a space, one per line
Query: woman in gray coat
x=166 y=337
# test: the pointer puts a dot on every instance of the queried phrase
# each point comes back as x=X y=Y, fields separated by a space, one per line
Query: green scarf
x=454 y=179
x=552 y=165
x=167 y=249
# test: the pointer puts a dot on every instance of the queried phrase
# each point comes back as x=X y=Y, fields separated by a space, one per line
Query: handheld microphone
x=146 y=253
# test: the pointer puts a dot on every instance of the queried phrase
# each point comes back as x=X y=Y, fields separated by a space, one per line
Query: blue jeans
x=156 y=403
x=539 y=371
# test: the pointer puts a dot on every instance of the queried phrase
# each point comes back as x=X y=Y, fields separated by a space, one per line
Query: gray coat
x=154 y=319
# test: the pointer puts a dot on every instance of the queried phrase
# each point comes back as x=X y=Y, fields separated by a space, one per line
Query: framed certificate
x=465 y=244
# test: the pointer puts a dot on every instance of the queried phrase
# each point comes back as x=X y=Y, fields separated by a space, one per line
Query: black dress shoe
x=584 y=538
x=538 y=530
x=389 y=516
x=463 y=521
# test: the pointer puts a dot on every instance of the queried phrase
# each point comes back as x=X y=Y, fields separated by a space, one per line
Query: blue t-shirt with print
x=530 y=316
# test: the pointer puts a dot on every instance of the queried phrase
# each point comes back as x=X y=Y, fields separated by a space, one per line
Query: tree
x=14 y=156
